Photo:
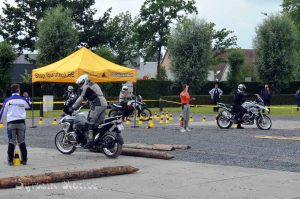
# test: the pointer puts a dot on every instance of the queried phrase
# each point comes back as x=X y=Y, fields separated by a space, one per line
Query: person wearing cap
x=14 y=111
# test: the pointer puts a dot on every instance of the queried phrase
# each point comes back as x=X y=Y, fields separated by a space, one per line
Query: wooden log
x=159 y=147
x=179 y=146
x=147 y=153
x=53 y=177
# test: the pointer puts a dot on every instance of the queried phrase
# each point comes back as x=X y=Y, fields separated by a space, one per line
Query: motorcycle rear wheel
x=264 y=125
x=113 y=113
x=223 y=121
x=115 y=148
x=66 y=149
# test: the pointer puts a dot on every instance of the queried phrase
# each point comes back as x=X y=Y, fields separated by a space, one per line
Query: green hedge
x=287 y=99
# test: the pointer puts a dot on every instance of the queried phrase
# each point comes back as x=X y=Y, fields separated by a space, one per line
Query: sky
x=241 y=16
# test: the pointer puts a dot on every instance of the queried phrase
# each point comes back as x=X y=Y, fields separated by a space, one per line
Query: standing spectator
x=215 y=95
x=185 y=106
x=68 y=93
x=298 y=98
x=14 y=111
x=266 y=96
x=25 y=94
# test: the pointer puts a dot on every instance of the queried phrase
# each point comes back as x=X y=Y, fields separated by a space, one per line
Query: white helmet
x=82 y=80
x=241 y=88
x=70 y=88
x=125 y=88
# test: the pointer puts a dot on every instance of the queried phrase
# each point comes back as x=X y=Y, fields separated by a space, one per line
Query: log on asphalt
x=53 y=177
x=159 y=147
x=147 y=153
x=180 y=146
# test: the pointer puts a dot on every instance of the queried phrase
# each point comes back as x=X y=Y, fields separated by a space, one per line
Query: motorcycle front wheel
x=223 y=120
x=264 y=122
x=146 y=114
x=61 y=144
x=112 y=148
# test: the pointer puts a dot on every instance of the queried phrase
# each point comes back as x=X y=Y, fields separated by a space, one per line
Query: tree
x=57 y=37
x=250 y=70
x=26 y=77
x=222 y=40
x=235 y=59
x=163 y=73
x=190 y=46
x=106 y=53
x=7 y=56
x=122 y=38
x=155 y=19
x=292 y=9
x=276 y=48
x=18 y=24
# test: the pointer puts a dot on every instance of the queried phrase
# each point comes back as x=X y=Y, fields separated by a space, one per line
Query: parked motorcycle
x=225 y=118
x=132 y=105
x=107 y=136
x=68 y=103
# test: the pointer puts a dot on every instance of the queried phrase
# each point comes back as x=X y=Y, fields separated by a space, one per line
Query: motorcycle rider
x=124 y=97
x=238 y=100
x=98 y=104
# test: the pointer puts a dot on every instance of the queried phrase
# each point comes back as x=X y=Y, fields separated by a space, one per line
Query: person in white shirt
x=215 y=95
x=13 y=110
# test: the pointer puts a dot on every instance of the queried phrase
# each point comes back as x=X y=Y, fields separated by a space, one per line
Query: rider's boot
x=239 y=126
x=90 y=141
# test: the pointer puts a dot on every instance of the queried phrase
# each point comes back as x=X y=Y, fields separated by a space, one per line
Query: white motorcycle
x=253 y=114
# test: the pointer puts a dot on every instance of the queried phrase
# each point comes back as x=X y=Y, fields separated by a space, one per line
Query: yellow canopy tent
x=82 y=62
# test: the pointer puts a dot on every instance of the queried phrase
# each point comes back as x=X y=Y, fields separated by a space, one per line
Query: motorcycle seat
x=117 y=105
x=109 y=119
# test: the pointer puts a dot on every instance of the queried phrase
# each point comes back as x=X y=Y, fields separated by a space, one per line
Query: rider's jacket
x=93 y=93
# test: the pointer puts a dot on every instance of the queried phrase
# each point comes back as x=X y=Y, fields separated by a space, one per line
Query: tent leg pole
x=32 y=109
x=135 y=112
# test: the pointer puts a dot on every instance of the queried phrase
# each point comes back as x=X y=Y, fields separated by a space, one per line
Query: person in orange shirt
x=185 y=107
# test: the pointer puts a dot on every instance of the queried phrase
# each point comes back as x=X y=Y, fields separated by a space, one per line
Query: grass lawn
x=277 y=110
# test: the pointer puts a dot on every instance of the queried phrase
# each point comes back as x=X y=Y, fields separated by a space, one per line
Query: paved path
x=167 y=179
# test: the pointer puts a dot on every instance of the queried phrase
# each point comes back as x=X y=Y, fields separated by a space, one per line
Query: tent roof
x=81 y=62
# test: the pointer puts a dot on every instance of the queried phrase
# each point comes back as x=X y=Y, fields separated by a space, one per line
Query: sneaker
x=182 y=130
x=24 y=162
x=188 y=129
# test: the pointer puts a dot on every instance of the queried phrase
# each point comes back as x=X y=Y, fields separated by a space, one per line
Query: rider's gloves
x=71 y=109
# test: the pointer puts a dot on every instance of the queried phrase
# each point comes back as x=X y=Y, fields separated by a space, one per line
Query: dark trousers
x=16 y=135
x=267 y=102
x=216 y=101
x=239 y=111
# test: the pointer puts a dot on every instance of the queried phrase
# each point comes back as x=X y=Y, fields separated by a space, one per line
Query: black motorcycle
x=135 y=104
x=107 y=136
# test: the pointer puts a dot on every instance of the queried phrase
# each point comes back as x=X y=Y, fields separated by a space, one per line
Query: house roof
x=22 y=59
x=249 y=60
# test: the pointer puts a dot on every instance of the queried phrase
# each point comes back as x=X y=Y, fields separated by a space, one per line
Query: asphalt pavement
x=231 y=163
